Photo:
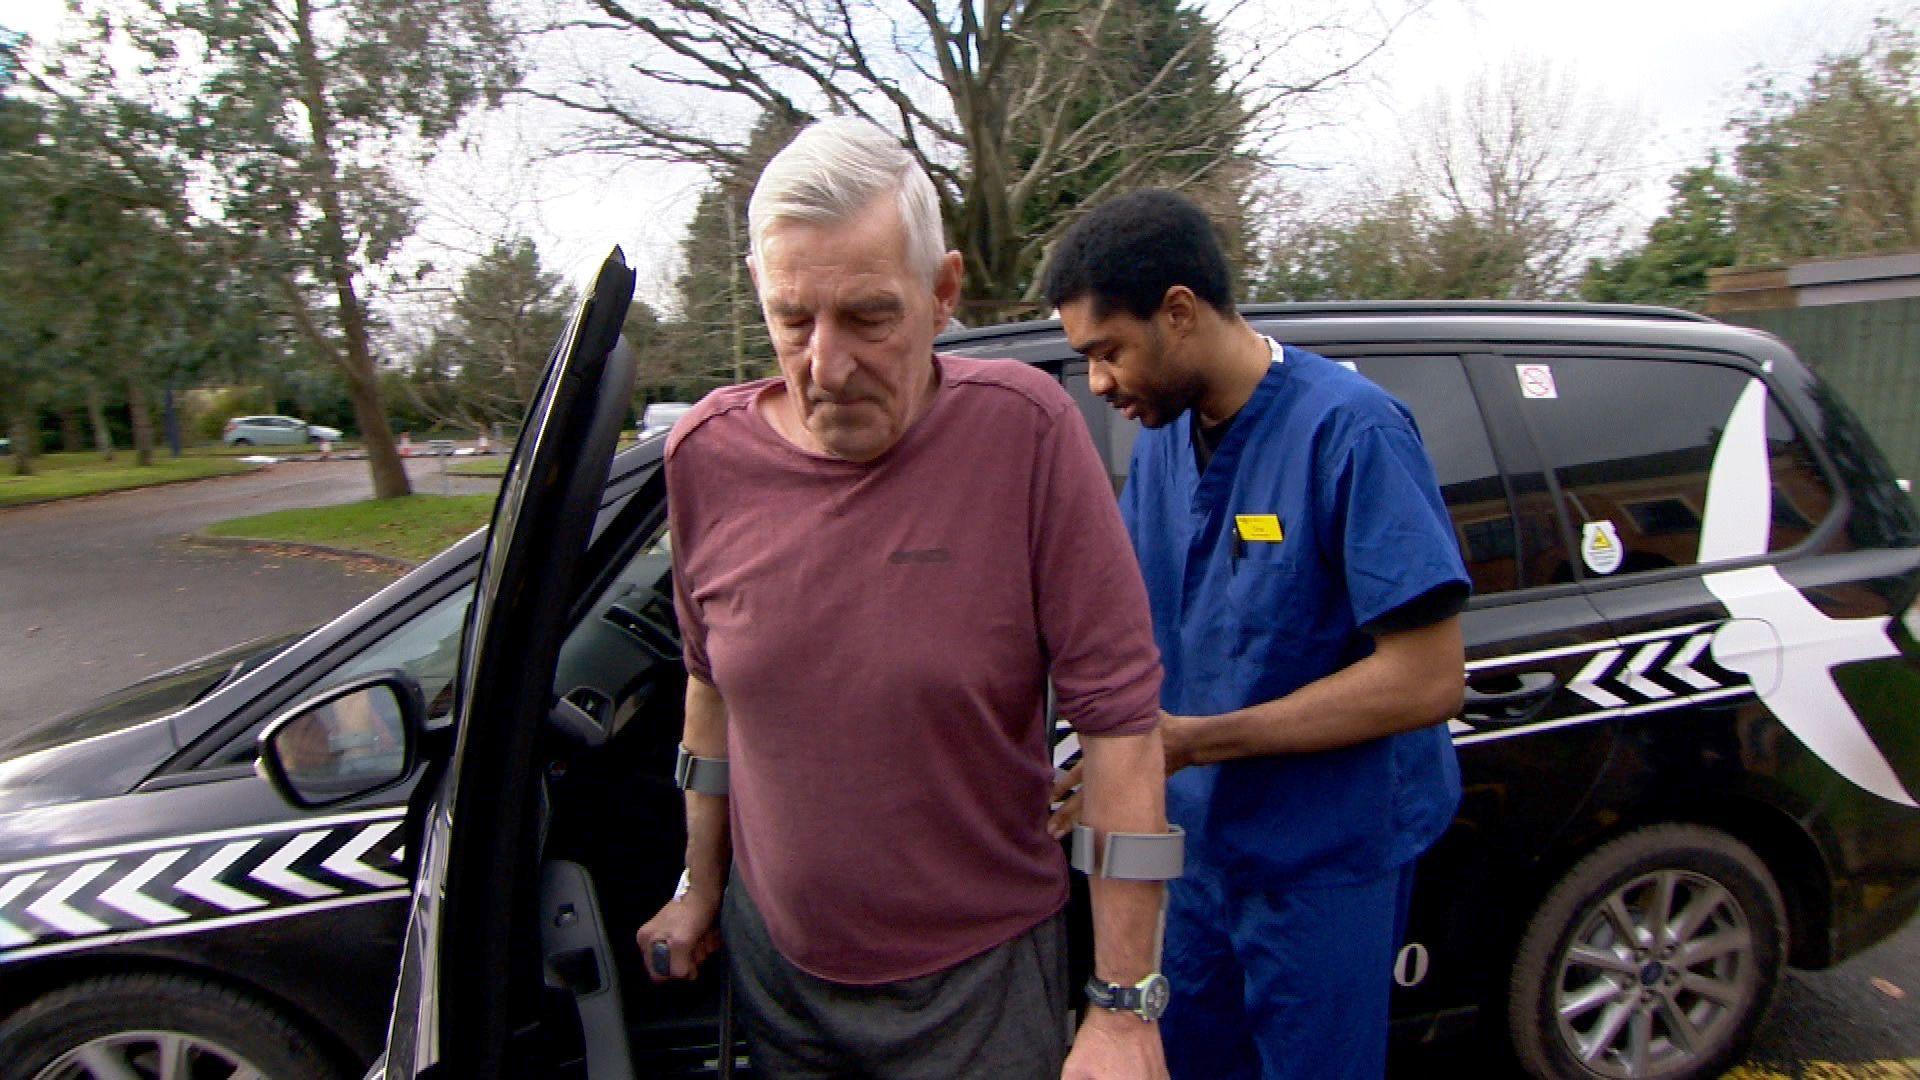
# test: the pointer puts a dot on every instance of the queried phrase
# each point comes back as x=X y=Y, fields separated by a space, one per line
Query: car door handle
x=1520 y=697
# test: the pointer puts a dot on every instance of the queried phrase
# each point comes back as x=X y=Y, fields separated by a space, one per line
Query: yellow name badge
x=1258 y=528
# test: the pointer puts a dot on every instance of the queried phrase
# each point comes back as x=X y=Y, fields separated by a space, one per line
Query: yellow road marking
x=1885 y=1069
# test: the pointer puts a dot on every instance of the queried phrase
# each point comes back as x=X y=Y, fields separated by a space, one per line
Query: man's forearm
x=1414 y=678
x=1125 y=791
x=709 y=841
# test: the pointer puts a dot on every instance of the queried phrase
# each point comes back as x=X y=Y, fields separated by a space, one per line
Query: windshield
x=165 y=693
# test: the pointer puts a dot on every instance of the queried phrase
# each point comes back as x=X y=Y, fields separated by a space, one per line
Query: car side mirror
x=351 y=740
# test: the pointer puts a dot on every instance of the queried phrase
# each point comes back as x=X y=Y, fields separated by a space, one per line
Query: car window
x=426 y=647
x=1435 y=389
x=1113 y=434
x=1633 y=441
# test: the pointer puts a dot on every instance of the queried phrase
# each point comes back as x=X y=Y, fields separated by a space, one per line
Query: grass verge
x=485 y=466
x=496 y=464
x=414 y=528
x=65 y=476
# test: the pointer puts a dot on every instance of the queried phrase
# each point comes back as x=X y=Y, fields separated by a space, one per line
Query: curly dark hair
x=1127 y=253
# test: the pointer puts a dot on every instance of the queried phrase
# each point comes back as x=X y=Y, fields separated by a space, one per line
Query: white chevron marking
x=1636 y=677
x=1681 y=666
x=346 y=862
x=204 y=881
x=10 y=934
x=1064 y=750
x=278 y=871
x=125 y=895
x=53 y=909
x=1583 y=683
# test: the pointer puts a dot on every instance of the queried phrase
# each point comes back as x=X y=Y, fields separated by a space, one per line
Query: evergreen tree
x=485 y=362
x=1694 y=235
x=720 y=337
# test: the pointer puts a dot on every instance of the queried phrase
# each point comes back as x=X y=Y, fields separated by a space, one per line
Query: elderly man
x=1305 y=587
x=881 y=558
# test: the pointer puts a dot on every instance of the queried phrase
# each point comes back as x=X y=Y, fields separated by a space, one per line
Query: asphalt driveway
x=96 y=593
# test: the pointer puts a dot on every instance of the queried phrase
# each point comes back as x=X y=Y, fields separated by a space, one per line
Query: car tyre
x=242 y=442
x=154 y=1025
x=1656 y=956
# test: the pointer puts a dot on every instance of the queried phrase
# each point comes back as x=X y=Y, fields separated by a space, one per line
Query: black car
x=1688 y=746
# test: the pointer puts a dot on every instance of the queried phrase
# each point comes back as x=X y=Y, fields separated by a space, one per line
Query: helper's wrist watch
x=1146 y=999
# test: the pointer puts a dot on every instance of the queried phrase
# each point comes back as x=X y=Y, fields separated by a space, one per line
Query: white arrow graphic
x=1682 y=665
x=125 y=895
x=1805 y=697
x=204 y=881
x=53 y=910
x=1064 y=750
x=1583 y=683
x=346 y=862
x=9 y=933
x=278 y=871
x=1636 y=677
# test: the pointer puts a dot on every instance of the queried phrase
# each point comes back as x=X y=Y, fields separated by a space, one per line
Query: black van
x=1689 y=745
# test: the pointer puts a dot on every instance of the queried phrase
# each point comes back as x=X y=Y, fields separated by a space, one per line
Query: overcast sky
x=1684 y=64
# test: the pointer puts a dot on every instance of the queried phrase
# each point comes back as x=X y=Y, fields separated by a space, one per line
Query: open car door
x=473 y=999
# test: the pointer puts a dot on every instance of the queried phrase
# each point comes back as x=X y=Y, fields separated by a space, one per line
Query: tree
x=1021 y=111
x=1499 y=192
x=297 y=110
x=719 y=337
x=1832 y=167
x=1525 y=172
x=22 y=134
x=1695 y=234
x=484 y=363
x=112 y=286
x=1396 y=249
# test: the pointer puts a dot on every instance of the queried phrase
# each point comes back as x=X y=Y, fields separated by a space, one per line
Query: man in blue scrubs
x=1306 y=589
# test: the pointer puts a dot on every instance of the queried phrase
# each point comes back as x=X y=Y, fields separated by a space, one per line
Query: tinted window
x=1113 y=434
x=1435 y=389
x=426 y=647
x=1634 y=443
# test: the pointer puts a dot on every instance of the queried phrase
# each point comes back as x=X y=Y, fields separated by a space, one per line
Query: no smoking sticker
x=1536 y=381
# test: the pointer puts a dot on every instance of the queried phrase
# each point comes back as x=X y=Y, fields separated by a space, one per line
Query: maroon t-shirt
x=882 y=634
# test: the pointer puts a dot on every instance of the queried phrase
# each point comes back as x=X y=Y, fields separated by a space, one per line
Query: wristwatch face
x=1155 y=992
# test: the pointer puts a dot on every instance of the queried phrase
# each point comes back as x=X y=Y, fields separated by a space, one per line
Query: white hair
x=837 y=168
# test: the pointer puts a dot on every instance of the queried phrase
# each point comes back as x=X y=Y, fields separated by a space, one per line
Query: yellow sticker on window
x=1258 y=528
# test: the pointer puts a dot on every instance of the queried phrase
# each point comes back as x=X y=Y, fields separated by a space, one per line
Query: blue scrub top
x=1362 y=531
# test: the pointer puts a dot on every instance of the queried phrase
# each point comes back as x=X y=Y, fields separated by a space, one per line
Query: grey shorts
x=1002 y=1013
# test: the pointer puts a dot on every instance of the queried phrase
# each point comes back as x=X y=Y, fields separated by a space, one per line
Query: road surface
x=98 y=592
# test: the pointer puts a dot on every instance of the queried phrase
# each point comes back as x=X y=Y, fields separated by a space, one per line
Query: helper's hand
x=1066 y=786
x=1115 y=1046
x=687 y=927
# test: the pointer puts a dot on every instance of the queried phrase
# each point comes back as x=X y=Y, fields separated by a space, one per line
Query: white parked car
x=275 y=431
x=662 y=415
